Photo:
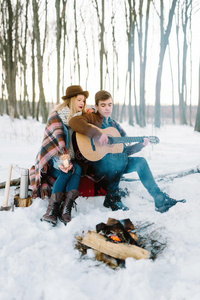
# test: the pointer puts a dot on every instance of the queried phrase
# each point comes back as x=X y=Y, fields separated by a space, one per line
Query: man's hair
x=102 y=95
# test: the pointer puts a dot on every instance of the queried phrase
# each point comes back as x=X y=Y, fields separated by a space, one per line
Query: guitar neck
x=125 y=139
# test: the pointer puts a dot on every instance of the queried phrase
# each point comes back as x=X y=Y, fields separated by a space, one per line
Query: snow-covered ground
x=40 y=262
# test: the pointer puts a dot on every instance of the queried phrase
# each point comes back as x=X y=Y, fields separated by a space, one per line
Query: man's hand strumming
x=103 y=140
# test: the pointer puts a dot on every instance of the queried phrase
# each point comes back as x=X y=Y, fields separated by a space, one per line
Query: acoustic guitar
x=90 y=150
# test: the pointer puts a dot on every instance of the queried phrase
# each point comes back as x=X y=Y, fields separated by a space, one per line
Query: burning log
x=117 y=250
x=116 y=240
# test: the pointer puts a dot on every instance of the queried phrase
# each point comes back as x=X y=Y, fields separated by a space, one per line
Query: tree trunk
x=101 y=44
x=58 y=43
x=197 y=123
x=76 y=43
x=64 y=43
x=25 y=100
x=173 y=108
x=11 y=54
x=42 y=102
x=87 y=50
x=33 y=74
x=143 y=60
x=183 y=94
x=130 y=30
x=164 y=35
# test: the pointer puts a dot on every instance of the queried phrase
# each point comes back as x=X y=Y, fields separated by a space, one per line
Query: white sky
x=152 y=59
x=89 y=15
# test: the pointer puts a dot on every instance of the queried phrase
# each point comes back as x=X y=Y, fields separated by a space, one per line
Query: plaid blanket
x=53 y=144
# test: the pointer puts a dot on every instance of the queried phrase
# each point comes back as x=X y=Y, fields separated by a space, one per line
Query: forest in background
x=122 y=46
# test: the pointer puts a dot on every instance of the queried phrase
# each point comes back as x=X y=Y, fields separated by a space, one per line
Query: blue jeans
x=112 y=166
x=66 y=182
x=140 y=165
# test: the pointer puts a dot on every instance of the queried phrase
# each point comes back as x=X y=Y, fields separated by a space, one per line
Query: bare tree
x=143 y=58
x=26 y=107
x=101 y=36
x=164 y=37
x=173 y=107
x=58 y=44
x=33 y=73
x=64 y=40
x=197 y=123
x=115 y=71
x=76 y=49
x=123 y=110
x=183 y=93
x=87 y=49
x=36 y=28
x=60 y=25
x=10 y=38
x=190 y=47
x=130 y=15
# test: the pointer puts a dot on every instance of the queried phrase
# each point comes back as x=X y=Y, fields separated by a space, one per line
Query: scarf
x=64 y=114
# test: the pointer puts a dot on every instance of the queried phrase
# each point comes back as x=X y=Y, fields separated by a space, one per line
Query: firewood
x=14 y=182
x=117 y=250
x=109 y=260
x=19 y=202
x=112 y=221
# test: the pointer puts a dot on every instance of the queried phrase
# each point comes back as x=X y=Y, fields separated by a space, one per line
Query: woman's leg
x=61 y=180
x=74 y=179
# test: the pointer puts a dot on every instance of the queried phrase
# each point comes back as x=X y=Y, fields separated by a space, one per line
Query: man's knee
x=141 y=163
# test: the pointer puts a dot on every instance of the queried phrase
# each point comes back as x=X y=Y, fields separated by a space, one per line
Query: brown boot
x=53 y=208
x=66 y=206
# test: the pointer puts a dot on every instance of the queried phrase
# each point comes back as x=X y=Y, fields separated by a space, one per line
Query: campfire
x=116 y=240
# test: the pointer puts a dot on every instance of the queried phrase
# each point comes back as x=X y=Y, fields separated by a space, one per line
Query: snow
x=38 y=261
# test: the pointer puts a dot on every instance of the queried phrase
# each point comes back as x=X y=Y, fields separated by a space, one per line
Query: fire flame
x=115 y=238
x=133 y=235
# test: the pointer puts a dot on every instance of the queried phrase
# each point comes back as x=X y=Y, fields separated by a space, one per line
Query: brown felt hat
x=74 y=90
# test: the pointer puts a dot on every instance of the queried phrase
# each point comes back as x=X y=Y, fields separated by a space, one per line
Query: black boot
x=66 y=206
x=114 y=202
x=163 y=202
x=53 y=208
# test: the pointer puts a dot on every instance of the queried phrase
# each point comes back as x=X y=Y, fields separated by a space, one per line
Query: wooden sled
x=88 y=187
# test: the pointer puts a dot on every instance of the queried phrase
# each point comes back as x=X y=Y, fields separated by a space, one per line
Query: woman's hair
x=71 y=104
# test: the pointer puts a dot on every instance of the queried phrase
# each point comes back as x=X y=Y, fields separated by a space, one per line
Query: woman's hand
x=65 y=164
x=65 y=160
x=89 y=110
x=65 y=170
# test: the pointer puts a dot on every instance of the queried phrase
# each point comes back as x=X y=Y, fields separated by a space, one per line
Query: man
x=113 y=166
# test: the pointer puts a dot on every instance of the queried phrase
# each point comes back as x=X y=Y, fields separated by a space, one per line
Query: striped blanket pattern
x=53 y=144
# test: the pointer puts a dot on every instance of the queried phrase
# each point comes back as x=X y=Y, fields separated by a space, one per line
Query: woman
x=55 y=163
